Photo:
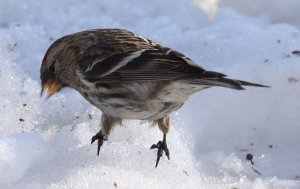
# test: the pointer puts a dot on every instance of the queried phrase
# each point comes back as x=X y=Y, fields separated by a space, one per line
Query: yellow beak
x=51 y=86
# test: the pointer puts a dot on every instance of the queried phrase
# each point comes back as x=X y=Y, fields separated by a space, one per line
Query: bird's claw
x=101 y=138
x=162 y=147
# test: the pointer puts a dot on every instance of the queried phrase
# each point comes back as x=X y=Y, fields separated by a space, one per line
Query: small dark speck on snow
x=296 y=52
x=250 y=158
x=185 y=172
x=297 y=177
x=293 y=80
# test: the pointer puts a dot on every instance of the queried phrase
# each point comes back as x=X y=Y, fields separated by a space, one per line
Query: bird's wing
x=133 y=58
x=153 y=64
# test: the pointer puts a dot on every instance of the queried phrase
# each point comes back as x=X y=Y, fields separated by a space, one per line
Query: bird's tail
x=217 y=79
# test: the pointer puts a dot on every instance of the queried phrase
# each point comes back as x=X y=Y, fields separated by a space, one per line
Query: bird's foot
x=162 y=147
x=101 y=138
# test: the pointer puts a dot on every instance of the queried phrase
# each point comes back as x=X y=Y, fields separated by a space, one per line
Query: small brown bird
x=127 y=76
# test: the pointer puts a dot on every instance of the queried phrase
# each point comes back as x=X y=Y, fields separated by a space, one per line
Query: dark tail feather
x=221 y=82
x=245 y=83
x=211 y=78
x=226 y=82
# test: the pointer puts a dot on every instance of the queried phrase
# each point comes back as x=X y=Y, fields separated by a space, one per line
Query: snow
x=278 y=11
x=46 y=143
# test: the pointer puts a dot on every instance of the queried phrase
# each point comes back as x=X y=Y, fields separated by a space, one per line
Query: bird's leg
x=164 y=126
x=162 y=147
x=101 y=138
x=107 y=123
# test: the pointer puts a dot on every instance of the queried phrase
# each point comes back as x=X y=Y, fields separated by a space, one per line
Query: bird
x=127 y=76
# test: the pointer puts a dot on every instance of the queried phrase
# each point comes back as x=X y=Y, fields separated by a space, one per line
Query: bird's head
x=49 y=72
x=56 y=70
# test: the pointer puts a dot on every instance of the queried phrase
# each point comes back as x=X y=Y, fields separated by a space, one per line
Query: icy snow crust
x=46 y=144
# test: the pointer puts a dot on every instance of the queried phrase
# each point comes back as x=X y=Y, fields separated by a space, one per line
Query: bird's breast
x=144 y=100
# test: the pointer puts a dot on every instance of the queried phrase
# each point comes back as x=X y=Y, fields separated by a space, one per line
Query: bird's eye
x=52 y=68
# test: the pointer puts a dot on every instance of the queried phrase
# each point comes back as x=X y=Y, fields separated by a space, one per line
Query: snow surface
x=46 y=144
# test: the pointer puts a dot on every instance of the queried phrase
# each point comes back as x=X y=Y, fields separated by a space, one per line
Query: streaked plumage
x=127 y=77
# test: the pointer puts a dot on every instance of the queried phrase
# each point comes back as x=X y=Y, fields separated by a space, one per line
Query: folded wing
x=154 y=63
